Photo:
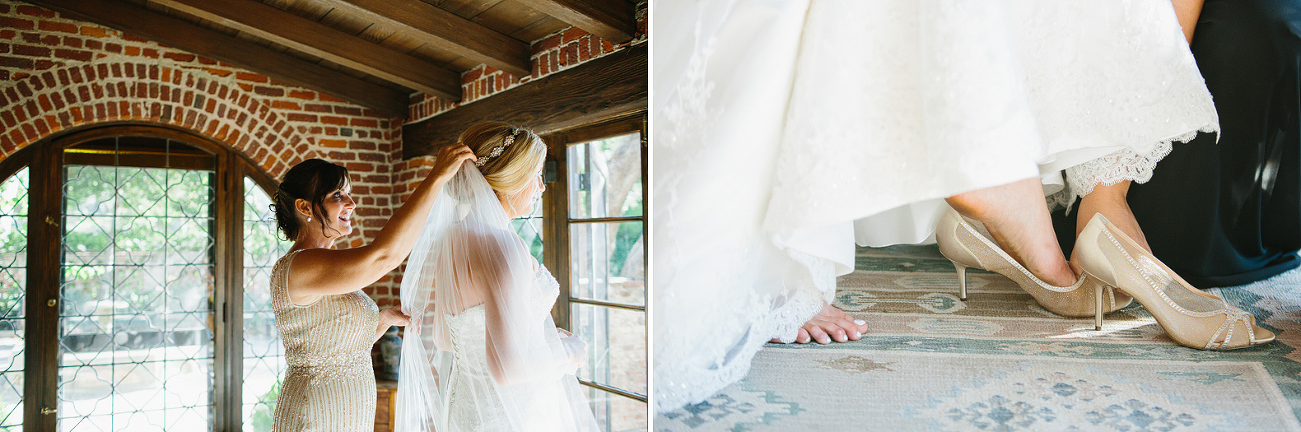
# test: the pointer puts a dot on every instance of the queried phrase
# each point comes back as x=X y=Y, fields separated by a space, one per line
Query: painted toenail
x=860 y=322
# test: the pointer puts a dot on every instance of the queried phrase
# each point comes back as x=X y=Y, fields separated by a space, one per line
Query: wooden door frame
x=45 y=217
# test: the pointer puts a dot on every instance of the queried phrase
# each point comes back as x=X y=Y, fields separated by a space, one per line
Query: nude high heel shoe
x=966 y=243
x=1192 y=318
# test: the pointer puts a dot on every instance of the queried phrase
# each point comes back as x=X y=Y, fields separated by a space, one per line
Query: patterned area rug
x=999 y=362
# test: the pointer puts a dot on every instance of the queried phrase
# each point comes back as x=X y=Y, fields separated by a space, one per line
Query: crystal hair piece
x=496 y=151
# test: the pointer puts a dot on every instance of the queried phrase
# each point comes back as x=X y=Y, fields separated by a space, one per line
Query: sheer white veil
x=512 y=368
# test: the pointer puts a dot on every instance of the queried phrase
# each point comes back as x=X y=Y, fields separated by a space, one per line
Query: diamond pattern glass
x=264 y=361
x=13 y=289
x=136 y=339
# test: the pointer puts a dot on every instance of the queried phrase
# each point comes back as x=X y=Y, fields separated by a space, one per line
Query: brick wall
x=58 y=73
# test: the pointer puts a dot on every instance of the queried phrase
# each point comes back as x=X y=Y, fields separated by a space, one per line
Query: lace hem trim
x=1113 y=168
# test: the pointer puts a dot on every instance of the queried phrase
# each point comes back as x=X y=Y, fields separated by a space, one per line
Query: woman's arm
x=319 y=272
x=1188 y=11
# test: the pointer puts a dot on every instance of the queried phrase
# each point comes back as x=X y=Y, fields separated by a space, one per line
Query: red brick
x=31 y=51
x=352 y=111
x=35 y=11
x=8 y=34
x=365 y=123
x=73 y=54
x=93 y=31
x=133 y=38
x=269 y=91
x=219 y=72
x=43 y=64
x=328 y=98
x=318 y=108
x=573 y=34
x=150 y=52
x=58 y=27
x=71 y=42
x=246 y=76
x=302 y=94
x=300 y=117
x=179 y=56
x=545 y=45
x=471 y=75
x=131 y=51
x=113 y=48
x=15 y=62
x=334 y=143
x=286 y=105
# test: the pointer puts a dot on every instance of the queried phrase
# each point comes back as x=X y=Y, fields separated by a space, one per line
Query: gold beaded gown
x=330 y=385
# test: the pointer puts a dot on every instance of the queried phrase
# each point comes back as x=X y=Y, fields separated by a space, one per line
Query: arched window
x=134 y=281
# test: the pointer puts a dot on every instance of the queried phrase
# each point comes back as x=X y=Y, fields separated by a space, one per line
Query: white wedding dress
x=786 y=129
x=482 y=353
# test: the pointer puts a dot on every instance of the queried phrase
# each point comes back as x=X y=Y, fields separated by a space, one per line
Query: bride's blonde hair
x=518 y=162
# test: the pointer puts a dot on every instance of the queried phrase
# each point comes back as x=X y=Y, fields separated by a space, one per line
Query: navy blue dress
x=1227 y=213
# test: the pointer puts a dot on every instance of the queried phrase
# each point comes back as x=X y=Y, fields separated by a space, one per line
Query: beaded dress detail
x=330 y=384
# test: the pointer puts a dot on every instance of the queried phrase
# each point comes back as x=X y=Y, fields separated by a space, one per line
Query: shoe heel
x=962 y=280
x=1098 y=289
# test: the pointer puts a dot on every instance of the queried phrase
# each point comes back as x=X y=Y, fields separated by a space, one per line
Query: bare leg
x=1016 y=215
x=830 y=324
x=1110 y=202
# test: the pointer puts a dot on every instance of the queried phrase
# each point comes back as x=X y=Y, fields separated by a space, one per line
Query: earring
x=309 y=218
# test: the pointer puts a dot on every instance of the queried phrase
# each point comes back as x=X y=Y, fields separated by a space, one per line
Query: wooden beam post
x=612 y=20
x=599 y=89
x=446 y=30
x=326 y=42
x=190 y=37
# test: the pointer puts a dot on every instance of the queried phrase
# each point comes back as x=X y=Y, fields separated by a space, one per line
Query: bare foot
x=830 y=324
x=1016 y=215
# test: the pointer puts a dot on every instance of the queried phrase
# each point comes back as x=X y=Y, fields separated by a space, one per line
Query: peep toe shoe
x=1192 y=318
x=967 y=243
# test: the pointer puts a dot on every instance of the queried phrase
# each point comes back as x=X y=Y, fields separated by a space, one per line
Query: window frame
x=45 y=160
x=557 y=221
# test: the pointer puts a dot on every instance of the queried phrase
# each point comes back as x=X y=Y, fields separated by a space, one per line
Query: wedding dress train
x=786 y=129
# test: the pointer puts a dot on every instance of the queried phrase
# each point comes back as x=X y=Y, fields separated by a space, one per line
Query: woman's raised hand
x=449 y=161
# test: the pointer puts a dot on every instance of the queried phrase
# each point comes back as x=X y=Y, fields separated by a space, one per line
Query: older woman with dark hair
x=327 y=324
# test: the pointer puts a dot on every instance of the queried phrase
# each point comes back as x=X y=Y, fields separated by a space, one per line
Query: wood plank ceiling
x=372 y=52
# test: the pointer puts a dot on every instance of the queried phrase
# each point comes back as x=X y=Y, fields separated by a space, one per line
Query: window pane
x=605 y=178
x=608 y=262
x=264 y=358
x=135 y=346
x=616 y=345
x=616 y=413
x=13 y=287
x=529 y=227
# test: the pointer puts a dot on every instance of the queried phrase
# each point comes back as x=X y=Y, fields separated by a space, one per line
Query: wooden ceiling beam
x=187 y=36
x=326 y=42
x=606 y=87
x=612 y=20
x=444 y=30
